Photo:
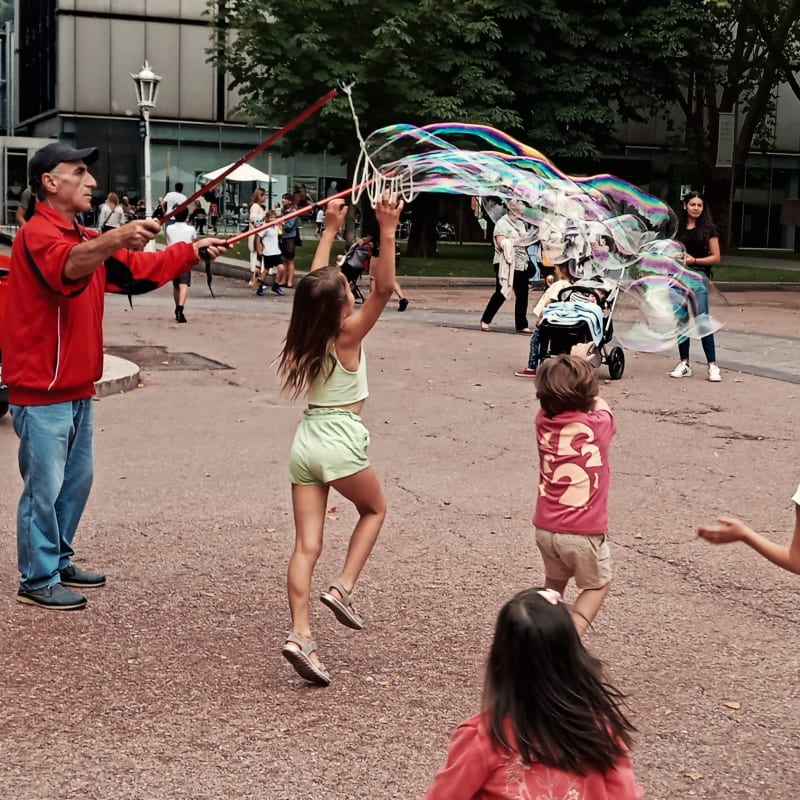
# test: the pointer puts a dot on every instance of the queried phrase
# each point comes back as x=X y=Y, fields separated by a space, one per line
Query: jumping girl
x=551 y=727
x=323 y=358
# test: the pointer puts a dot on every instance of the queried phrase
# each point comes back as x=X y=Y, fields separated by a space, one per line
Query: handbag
x=101 y=223
x=298 y=242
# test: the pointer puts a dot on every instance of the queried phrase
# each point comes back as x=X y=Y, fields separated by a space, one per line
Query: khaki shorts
x=585 y=557
x=330 y=443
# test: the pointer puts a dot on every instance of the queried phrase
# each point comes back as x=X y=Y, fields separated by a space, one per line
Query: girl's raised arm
x=334 y=217
x=382 y=270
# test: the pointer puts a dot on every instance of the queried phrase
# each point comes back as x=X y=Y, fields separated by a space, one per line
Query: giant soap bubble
x=600 y=226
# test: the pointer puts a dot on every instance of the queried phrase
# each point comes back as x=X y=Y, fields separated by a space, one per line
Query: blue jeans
x=57 y=466
x=700 y=306
x=533 y=353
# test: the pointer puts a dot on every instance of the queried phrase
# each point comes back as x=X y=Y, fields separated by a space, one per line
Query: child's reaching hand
x=583 y=350
x=727 y=530
x=335 y=214
x=387 y=212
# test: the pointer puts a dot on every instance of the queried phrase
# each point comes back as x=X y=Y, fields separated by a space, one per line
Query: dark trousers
x=520 y=285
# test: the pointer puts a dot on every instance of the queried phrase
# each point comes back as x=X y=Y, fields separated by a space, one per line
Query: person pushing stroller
x=355 y=262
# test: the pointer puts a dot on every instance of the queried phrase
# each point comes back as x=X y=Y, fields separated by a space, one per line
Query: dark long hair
x=315 y=322
x=704 y=224
x=544 y=696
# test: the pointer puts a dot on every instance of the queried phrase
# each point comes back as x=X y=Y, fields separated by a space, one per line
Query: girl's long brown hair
x=313 y=327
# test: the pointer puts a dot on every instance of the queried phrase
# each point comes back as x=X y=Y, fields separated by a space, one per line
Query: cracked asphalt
x=171 y=685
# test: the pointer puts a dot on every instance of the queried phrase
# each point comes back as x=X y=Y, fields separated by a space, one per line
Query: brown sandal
x=297 y=651
x=342 y=609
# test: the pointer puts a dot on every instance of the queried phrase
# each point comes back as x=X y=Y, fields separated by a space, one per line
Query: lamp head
x=146 y=82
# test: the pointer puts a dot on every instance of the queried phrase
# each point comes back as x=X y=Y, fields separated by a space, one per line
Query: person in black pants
x=511 y=265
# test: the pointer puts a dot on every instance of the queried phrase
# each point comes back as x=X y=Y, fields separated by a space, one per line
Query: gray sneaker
x=82 y=578
x=55 y=597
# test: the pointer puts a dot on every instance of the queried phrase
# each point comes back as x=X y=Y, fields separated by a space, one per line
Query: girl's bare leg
x=308 y=504
x=290 y=273
x=364 y=491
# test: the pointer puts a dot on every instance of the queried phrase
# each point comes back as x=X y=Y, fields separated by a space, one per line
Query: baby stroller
x=354 y=264
x=583 y=313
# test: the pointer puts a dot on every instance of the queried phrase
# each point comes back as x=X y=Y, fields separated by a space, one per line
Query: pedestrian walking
x=181 y=231
x=511 y=265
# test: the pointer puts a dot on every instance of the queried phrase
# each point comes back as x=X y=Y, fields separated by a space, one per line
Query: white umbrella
x=245 y=173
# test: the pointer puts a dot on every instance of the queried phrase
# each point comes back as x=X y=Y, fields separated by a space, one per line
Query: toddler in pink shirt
x=573 y=433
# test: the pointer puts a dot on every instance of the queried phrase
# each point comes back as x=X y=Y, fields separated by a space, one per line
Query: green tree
x=556 y=73
x=414 y=61
x=718 y=57
x=576 y=71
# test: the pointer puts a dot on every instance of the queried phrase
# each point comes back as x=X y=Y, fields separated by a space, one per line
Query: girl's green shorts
x=330 y=443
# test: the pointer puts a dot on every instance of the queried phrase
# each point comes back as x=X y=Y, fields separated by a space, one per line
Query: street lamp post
x=146 y=82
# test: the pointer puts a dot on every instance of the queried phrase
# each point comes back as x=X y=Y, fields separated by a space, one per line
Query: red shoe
x=525 y=373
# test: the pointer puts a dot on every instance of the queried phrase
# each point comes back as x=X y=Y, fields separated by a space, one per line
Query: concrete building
x=71 y=80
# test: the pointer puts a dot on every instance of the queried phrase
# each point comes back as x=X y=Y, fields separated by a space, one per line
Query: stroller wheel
x=616 y=363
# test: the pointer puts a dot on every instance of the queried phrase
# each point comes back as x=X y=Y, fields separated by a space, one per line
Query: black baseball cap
x=50 y=155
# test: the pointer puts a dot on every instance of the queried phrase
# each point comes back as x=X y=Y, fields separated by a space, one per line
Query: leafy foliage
x=556 y=73
x=576 y=71
x=413 y=61
x=720 y=56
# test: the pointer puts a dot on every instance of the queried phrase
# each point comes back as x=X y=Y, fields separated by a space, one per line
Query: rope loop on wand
x=367 y=177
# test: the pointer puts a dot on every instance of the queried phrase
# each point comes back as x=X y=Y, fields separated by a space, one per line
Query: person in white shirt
x=173 y=200
x=110 y=215
x=181 y=231
x=270 y=249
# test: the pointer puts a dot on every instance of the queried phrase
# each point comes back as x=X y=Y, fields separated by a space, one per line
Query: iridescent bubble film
x=600 y=226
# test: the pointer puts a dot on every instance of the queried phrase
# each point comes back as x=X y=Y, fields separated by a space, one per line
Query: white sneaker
x=683 y=370
x=713 y=373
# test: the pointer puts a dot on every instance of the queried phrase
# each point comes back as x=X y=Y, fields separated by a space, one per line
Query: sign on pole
x=725 y=139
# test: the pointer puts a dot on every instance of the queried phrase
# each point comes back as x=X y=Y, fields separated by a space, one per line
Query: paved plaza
x=171 y=685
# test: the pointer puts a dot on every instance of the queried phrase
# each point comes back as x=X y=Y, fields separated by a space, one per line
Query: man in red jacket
x=53 y=354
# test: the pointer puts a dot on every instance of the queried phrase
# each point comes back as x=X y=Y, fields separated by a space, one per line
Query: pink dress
x=476 y=771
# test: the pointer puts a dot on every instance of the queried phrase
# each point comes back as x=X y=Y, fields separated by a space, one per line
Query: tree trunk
x=717 y=195
x=422 y=238
x=468 y=228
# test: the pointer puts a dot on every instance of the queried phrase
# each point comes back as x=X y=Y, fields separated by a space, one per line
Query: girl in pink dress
x=551 y=728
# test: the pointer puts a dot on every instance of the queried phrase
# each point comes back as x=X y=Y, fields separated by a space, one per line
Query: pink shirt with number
x=574 y=475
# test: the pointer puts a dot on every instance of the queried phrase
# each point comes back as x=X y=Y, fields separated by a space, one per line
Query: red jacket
x=53 y=329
